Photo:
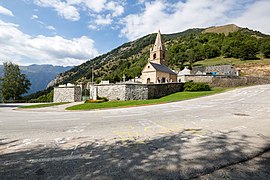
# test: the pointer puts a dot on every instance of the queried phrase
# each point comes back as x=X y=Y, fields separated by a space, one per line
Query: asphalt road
x=180 y=140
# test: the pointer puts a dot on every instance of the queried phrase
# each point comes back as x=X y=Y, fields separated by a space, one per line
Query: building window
x=155 y=56
x=148 y=81
x=148 y=67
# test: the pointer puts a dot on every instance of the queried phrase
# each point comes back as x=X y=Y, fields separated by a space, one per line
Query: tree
x=210 y=51
x=265 y=47
x=248 y=50
x=177 y=54
x=14 y=83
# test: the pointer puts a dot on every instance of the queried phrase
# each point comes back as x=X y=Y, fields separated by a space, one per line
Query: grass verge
x=170 y=98
x=43 y=105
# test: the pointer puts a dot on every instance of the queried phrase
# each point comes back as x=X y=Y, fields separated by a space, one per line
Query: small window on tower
x=148 y=66
x=155 y=56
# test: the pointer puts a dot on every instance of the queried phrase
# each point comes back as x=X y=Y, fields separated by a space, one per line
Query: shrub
x=99 y=100
x=196 y=86
x=103 y=98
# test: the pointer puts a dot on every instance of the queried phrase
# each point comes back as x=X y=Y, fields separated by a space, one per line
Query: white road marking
x=52 y=120
x=170 y=111
x=238 y=128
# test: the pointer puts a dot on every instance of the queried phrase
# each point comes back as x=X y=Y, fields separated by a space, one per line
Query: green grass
x=43 y=105
x=170 y=98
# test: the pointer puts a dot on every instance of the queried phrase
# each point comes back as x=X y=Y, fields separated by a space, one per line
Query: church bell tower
x=158 y=53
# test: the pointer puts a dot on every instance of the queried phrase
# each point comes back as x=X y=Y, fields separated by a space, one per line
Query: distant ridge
x=39 y=75
x=226 y=29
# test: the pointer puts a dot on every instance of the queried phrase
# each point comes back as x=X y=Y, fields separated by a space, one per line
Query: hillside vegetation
x=192 y=47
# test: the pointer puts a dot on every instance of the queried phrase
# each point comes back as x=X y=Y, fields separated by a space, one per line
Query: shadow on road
x=185 y=155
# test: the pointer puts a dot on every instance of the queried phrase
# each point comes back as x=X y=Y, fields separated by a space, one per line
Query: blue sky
x=69 y=32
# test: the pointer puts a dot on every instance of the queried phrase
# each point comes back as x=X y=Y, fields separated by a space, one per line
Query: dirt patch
x=254 y=69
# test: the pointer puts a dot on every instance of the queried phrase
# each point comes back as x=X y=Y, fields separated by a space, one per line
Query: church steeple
x=158 y=43
x=158 y=54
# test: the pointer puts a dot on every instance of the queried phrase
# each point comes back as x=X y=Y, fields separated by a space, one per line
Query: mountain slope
x=130 y=58
x=231 y=28
x=226 y=29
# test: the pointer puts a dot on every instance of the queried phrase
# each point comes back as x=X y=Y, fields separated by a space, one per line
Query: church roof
x=162 y=68
x=158 y=43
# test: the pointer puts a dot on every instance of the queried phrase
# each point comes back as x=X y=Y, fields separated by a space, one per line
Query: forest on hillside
x=194 y=48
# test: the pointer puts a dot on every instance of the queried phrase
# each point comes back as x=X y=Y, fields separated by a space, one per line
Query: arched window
x=163 y=80
x=148 y=81
x=155 y=56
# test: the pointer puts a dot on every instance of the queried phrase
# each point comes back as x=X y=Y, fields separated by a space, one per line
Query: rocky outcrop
x=55 y=81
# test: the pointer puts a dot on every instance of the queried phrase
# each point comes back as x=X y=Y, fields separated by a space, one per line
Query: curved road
x=179 y=140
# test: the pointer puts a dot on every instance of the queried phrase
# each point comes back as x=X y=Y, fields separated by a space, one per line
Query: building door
x=148 y=81
x=163 y=80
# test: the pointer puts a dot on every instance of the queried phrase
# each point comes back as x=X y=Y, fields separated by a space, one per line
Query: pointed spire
x=158 y=43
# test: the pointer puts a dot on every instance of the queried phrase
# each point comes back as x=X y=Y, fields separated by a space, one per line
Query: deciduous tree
x=14 y=83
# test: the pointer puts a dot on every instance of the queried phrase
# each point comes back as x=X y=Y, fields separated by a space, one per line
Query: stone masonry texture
x=67 y=94
x=138 y=91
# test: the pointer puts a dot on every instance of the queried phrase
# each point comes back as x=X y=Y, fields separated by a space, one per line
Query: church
x=157 y=81
x=156 y=70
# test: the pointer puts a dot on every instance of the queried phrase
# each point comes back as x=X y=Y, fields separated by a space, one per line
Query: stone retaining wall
x=111 y=91
x=160 y=90
x=137 y=91
x=228 y=81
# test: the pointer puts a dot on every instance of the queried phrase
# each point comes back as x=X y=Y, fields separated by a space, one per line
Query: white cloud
x=70 y=9
x=103 y=20
x=34 y=16
x=25 y=49
x=50 y=28
x=93 y=27
x=102 y=12
x=5 y=11
x=116 y=8
x=113 y=11
x=93 y=5
x=42 y=24
x=100 y=21
x=175 y=17
x=256 y=16
x=63 y=9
